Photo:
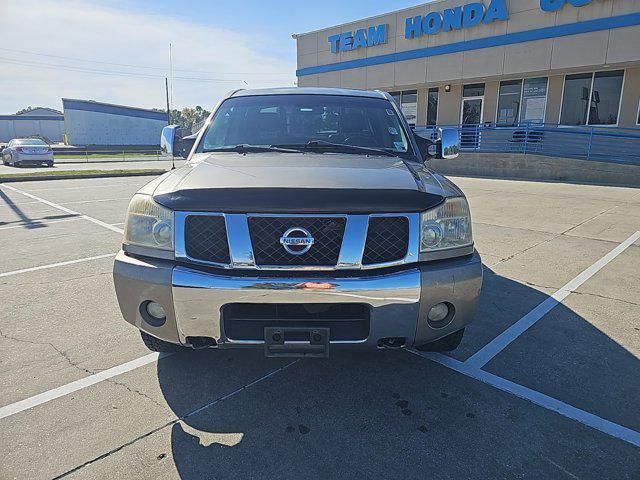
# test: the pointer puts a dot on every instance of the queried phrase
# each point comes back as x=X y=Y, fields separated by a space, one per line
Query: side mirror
x=173 y=143
x=448 y=145
x=168 y=139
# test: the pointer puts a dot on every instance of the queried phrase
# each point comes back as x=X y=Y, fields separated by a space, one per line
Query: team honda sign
x=469 y=15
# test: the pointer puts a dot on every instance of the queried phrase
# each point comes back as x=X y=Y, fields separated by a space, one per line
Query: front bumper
x=398 y=301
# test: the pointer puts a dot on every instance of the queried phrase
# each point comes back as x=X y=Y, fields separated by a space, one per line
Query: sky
x=118 y=51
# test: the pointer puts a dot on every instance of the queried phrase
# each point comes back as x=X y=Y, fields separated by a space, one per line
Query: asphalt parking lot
x=545 y=384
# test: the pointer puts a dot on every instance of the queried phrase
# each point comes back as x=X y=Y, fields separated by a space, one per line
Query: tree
x=30 y=108
x=188 y=118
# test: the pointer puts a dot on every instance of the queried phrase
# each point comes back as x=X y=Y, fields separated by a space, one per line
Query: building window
x=408 y=102
x=473 y=90
x=509 y=102
x=605 y=99
x=534 y=100
x=432 y=106
x=592 y=99
x=522 y=101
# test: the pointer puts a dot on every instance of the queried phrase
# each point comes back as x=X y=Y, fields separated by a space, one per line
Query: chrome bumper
x=199 y=297
x=398 y=301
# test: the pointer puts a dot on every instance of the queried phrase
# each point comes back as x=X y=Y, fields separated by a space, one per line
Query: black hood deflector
x=299 y=200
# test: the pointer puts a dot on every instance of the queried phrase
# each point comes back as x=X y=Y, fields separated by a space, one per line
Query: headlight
x=148 y=224
x=447 y=226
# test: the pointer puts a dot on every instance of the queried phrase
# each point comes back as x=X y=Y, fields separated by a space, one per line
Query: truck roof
x=308 y=91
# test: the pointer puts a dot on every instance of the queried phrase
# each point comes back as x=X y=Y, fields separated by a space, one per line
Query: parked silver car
x=27 y=152
x=305 y=219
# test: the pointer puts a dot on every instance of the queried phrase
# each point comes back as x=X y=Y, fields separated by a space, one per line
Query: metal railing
x=603 y=144
x=87 y=155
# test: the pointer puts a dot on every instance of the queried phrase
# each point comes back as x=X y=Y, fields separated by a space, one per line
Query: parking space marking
x=59 y=264
x=66 y=210
x=75 y=202
x=540 y=399
x=48 y=222
x=111 y=185
x=502 y=341
x=44 y=397
x=180 y=419
x=26 y=404
x=39 y=222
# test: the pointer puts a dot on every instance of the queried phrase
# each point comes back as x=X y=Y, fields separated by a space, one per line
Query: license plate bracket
x=296 y=342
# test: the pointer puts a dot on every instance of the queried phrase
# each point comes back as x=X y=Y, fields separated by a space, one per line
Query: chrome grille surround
x=351 y=251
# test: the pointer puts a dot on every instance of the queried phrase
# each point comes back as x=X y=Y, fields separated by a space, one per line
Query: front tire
x=156 y=345
x=49 y=164
x=444 y=344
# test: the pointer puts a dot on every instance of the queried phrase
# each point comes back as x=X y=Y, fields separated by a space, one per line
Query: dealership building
x=497 y=62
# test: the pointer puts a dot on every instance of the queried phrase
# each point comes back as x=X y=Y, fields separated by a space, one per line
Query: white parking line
x=75 y=202
x=39 y=222
x=58 y=392
x=36 y=400
x=111 y=185
x=181 y=418
x=540 y=399
x=66 y=210
x=495 y=346
x=48 y=222
x=59 y=264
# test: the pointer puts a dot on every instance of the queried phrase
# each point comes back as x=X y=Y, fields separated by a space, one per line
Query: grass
x=62 y=173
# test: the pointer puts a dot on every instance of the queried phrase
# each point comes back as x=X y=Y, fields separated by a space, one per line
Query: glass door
x=470 y=118
x=471 y=111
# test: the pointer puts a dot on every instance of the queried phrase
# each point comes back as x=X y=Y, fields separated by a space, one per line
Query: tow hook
x=198 y=343
x=392 y=342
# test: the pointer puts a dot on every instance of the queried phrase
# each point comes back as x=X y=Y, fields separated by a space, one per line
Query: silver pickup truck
x=305 y=219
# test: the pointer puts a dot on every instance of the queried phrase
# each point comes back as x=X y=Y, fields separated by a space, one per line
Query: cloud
x=86 y=30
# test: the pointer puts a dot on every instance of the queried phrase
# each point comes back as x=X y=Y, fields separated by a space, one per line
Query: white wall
x=23 y=127
x=96 y=128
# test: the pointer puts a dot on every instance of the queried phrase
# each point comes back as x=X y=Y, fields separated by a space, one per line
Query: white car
x=27 y=151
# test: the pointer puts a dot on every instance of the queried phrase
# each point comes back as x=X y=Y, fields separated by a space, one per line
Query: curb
x=24 y=178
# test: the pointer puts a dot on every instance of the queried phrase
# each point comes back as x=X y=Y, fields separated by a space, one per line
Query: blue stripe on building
x=89 y=106
x=496 y=41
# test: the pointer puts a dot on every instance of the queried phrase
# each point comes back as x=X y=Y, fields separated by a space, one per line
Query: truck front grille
x=247 y=321
x=266 y=232
x=305 y=242
x=206 y=238
x=387 y=240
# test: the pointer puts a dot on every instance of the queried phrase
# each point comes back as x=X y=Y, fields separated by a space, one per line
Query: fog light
x=438 y=312
x=156 y=311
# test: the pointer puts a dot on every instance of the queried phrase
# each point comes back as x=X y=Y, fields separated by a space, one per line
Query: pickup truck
x=305 y=219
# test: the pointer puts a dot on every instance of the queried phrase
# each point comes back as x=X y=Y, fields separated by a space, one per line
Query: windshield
x=325 y=121
x=28 y=141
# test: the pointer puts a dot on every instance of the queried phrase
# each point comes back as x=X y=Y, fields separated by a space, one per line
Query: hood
x=298 y=182
x=293 y=170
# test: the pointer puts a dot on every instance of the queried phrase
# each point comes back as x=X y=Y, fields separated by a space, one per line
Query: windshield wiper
x=324 y=145
x=246 y=148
